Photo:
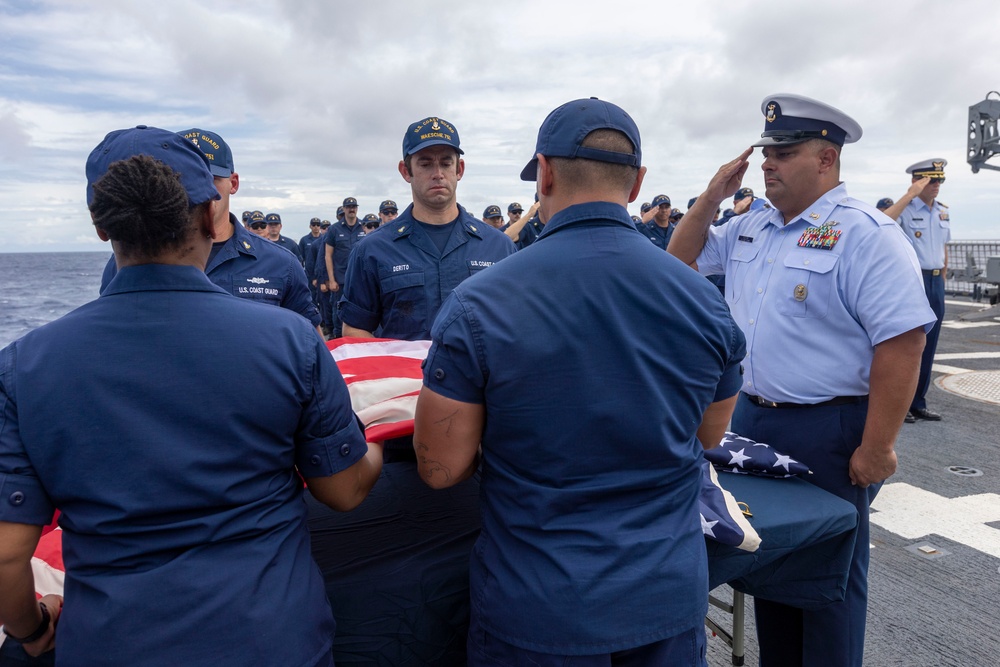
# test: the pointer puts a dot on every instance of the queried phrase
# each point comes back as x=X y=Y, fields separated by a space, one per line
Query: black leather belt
x=837 y=400
x=932 y=272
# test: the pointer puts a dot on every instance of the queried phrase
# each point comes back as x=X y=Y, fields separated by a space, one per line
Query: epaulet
x=942 y=204
x=472 y=225
x=871 y=212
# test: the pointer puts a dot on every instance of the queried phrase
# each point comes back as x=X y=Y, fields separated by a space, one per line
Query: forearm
x=18 y=607
x=715 y=421
x=894 y=372
x=514 y=230
x=691 y=232
x=345 y=490
x=351 y=332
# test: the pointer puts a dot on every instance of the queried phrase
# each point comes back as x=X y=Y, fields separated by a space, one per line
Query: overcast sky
x=314 y=97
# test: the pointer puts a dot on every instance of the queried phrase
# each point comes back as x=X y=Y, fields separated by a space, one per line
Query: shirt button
x=751 y=320
x=806 y=262
x=760 y=290
x=345 y=450
x=439 y=374
x=315 y=460
x=770 y=260
x=16 y=498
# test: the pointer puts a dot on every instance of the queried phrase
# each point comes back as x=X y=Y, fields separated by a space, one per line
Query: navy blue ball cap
x=272 y=219
x=645 y=206
x=257 y=216
x=884 y=203
x=492 y=211
x=564 y=130
x=659 y=200
x=742 y=194
x=676 y=215
x=515 y=208
x=387 y=205
x=691 y=202
x=167 y=147
x=350 y=201
x=371 y=217
x=220 y=157
x=791 y=119
x=431 y=131
x=246 y=215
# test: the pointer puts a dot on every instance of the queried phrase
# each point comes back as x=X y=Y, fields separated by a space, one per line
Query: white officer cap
x=934 y=168
x=792 y=119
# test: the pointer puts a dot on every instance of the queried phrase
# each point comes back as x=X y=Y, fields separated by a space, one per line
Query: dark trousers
x=684 y=650
x=326 y=309
x=824 y=439
x=934 y=288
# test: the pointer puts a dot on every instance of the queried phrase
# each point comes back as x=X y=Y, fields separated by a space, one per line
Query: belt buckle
x=936 y=272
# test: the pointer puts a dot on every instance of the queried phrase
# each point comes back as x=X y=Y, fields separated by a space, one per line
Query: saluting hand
x=917 y=187
x=729 y=178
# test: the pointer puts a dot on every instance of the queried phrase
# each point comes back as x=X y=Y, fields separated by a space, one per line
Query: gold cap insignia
x=246 y=245
x=435 y=126
x=770 y=117
x=814 y=216
x=801 y=292
x=400 y=230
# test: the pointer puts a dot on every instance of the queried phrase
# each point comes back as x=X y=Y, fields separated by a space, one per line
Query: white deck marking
x=913 y=513
x=948 y=370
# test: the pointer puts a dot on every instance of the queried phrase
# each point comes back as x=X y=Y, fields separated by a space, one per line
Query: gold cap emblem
x=770 y=117
x=918 y=234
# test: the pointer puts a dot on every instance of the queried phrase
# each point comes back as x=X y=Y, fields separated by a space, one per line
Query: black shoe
x=909 y=418
x=924 y=413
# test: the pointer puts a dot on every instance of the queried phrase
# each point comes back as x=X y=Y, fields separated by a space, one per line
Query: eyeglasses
x=258 y=225
x=324 y=226
x=314 y=224
x=937 y=180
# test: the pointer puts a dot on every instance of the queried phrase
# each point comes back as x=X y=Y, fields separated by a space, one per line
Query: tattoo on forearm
x=434 y=469
x=447 y=420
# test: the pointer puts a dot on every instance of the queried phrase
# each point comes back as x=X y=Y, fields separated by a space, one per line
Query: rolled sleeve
x=360 y=300
x=452 y=368
x=732 y=376
x=330 y=437
x=323 y=457
x=22 y=498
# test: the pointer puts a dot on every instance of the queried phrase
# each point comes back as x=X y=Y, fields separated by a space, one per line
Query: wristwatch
x=39 y=631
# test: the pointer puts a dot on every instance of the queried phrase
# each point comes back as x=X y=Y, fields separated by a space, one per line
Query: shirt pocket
x=404 y=296
x=807 y=284
x=739 y=270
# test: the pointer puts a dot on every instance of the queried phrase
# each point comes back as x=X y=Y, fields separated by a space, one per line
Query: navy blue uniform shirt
x=254 y=268
x=342 y=238
x=591 y=539
x=173 y=460
x=397 y=278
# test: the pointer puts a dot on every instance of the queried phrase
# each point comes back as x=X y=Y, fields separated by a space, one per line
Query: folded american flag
x=743 y=456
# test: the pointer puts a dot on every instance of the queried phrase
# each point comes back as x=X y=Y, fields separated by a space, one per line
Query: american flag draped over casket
x=384 y=378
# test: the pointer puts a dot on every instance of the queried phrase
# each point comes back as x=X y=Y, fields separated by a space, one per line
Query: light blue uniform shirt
x=816 y=295
x=928 y=229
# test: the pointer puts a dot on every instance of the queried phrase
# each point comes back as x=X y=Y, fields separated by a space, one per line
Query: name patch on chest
x=746 y=239
x=479 y=263
x=821 y=238
x=401 y=267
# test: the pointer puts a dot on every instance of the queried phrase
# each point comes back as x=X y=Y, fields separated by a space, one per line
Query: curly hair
x=141 y=203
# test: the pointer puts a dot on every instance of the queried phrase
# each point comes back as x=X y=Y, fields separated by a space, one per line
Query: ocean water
x=38 y=287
